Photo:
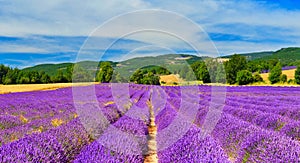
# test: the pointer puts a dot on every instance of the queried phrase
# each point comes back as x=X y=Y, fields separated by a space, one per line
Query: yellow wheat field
x=37 y=87
x=170 y=79
x=289 y=73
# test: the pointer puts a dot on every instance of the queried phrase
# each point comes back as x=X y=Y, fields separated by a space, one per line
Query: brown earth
x=151 y=155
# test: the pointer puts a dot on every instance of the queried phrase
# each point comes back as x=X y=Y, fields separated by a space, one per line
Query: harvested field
x=36 y=87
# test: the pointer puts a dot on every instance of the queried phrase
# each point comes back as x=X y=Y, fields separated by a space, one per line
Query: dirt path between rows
x=151 y=156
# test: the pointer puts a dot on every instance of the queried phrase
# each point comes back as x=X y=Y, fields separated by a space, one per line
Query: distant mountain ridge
x=123 y=67
x=254 y=55
x=288 y=56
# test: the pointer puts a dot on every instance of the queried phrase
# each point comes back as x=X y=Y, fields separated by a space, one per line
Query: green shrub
x=275 y=73
x=297 y=75
x=283 y=78
x=257 y=77
x=291 y=81
x=244 y=77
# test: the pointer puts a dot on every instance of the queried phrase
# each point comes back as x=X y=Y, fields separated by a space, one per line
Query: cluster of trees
x=148 y=75
x=235 y=71
x=297 y=75
x=15 y=76
x=240 y=71
x=206 y=71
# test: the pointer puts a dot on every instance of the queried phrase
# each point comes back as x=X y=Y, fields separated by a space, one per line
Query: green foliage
x=172 y=62
x=244 y=77
x=297 y=75
x=275 y=73
x=285 y=55
x=3 y=72
x=150 y=78
x=220 y=74
x=291 y=81
x=11 y=76
x=283 y=78
x=105 y=73
x=16 y=76
x=59 y=78
x=117 y=78
x=201 y=71
x=257 y=77
x=235 y=64
x=50 y=69
x=76 y=73
x=260 y=65
x=184 y=70
x=255 y=55
x=157 y=70
x=144 y=77
x=137 y=76
x=45 y=78
x=216 y=71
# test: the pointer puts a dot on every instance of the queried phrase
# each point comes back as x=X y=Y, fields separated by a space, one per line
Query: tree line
x=73 y=73
x=240 y=71
x=237 y=70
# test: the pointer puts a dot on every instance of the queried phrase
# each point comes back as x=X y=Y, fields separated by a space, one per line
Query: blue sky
x=34 y=32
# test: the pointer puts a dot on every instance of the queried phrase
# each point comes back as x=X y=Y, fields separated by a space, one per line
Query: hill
x=287 y=56
x=253 y=56
x=170 y=61
x=127 y=67
x=51 y=69
x=173 y=62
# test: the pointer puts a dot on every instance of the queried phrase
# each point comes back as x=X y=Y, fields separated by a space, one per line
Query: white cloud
x=251 y=19
x=7 y=48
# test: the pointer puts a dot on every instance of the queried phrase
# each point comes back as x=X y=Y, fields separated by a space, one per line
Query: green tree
x=79 y=74
x=11 y=76
x=150 y=78
x=297 y=75
x=275 y=73
x=59 y=77
x=183 y=71
x=257 y=77
x=244 y=77
x=201 y=71
x=45 y=78
x=105 y=73
x=34 y=77
x=220 y=74
x=144 y=77
x=283 y=78
x=3 y=72
x=137 y=76
x=117 y=78
x=234 y=65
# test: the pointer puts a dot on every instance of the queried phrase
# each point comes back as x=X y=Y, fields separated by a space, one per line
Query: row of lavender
x=257 y=124
x=46 y=126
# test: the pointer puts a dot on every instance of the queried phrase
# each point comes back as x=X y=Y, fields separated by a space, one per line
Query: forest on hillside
x=237 y=70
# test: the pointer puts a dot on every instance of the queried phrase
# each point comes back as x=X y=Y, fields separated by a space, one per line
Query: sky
x=34 y=32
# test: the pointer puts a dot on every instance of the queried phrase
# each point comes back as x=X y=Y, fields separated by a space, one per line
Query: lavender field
x=254 y=124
